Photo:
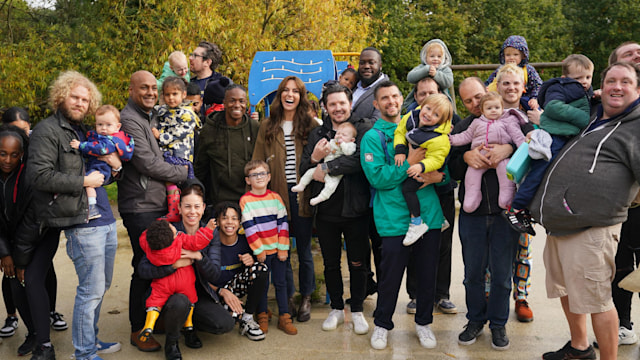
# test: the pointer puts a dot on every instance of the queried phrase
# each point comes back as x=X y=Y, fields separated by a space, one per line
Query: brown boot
x=263 y=321
x=286 y=324
x=304 y=312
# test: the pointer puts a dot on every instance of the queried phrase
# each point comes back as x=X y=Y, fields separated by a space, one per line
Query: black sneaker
x=28 y=345
x=57 y=323
x=519 y=221
x=499 y=339
x=471 y=332
x=568 y=352
x=10 y=326
x=42 y=352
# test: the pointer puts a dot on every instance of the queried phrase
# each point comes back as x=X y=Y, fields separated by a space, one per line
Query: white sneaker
x=426 y=336
x=335 y=317
x=626 y=336
x=414 y=233
x=379 y=338
x=360 y=325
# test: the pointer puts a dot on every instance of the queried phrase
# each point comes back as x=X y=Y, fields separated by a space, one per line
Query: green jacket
x=390 y=211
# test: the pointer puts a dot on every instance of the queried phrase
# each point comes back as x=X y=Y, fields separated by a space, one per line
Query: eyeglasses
x=259 y=175
x=195 y=55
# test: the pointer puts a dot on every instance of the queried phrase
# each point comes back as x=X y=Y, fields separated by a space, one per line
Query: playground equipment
x=269 y=68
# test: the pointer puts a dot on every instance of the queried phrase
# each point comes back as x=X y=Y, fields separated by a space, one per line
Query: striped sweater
x=264 y=218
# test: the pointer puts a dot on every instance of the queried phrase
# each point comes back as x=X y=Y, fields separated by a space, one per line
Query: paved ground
x=528 y=341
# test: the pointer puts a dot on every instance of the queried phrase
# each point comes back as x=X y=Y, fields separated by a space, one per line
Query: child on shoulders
x=516 y=51
x=436 y=63
x=177 y=65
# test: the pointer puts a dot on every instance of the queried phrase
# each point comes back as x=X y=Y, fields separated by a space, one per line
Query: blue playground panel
x=269 y=68
x=340 y=66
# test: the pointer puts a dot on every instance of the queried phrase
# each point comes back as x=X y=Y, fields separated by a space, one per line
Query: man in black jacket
x=346 y=212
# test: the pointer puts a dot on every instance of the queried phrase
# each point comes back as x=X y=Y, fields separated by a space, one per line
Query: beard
x=73 y=118
x=371 y=80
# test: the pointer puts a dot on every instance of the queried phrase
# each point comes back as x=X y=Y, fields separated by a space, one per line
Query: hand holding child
x=533 y=104
x=400 y=158
x=75 y=144
x=414 y=170
x=156 y=133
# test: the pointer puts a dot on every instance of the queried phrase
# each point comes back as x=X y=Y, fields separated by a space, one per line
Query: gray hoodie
x=593 y=180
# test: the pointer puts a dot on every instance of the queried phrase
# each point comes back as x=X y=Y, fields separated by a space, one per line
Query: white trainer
x=414 y=233
x=626 y=336
x=379 y=338
x=426 y=336
x=360 y=325
x=335 y=317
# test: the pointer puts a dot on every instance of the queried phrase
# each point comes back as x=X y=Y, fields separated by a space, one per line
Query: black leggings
x=409 y=189
x=51 y=283
x=32 y=300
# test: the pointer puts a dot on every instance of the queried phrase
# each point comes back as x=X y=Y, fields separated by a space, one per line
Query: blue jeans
x=300 y=227
x=93 y=251
x=487 y=242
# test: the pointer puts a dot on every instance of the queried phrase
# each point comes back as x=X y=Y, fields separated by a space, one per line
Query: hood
x=414 y=122
x=447 y=55
x=517 y=42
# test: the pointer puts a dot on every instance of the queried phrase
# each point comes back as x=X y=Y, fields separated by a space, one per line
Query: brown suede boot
x=263 y=321
x=304 y=312
x=286 y=324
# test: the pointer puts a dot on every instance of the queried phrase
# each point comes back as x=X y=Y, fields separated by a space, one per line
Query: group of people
x=364 y=174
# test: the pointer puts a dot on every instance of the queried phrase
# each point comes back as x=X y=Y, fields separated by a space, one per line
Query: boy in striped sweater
x=264 y=219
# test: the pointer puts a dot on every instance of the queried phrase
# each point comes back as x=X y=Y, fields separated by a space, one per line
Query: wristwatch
x=118 y=169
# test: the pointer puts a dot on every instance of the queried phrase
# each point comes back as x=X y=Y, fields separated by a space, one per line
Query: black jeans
x=51 y=283
x=356 y=237
x=627 y=258
x=394 y=260
x=210 y=316
x=443 y=282
x=33 y=299
x=136 y=223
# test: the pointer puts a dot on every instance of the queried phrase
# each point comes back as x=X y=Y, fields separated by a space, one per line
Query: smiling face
x=512 y=55
x=76 y=105
x=235 y=105
x=290 y=96
x=434 y=56
x=258 y=179
x=492 y=109
x=10 y=154
x=629 y=53
x=510 y=87
x=338 y=108
x=107 y=123
x=619 y=90
x=143 y=90
x=173 y=96
x=229 y=222
x=389 y=102
x=179 y=66
x=429 y=115
x=369 y=65
x=191 y=208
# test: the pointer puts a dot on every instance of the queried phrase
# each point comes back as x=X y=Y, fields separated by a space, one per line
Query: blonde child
x=264 y=219
x=495 y=126
x=107 y=138
x=516 y=51
x=176 y=132
x=436 y=63
x=427 y=128
x=344 y=143
x=177 y=65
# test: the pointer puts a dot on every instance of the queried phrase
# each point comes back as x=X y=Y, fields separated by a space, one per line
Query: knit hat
x=214 y=92
x=540 y=145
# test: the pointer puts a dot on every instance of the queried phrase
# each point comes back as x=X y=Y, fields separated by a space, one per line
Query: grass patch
x=112 y=192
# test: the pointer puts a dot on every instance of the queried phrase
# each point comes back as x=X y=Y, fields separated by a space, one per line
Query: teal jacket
x=390 y=211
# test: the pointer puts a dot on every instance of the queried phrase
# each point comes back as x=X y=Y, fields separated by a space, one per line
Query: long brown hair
x=302 y=120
